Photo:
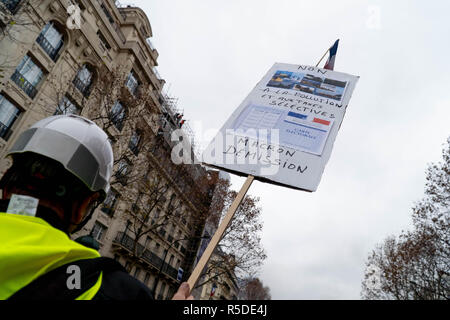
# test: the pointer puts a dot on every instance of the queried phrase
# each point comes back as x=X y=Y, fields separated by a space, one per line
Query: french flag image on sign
x=308 y=121
x=332 y=58
x=305 y=132
x=321 y=121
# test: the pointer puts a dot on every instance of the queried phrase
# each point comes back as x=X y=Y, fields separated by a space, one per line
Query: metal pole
x=322 y=58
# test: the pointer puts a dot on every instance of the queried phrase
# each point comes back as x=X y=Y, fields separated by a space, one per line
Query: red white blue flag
x=332 y=58
x=213 y=289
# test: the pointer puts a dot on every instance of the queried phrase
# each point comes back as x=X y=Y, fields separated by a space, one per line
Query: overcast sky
x=212 y=53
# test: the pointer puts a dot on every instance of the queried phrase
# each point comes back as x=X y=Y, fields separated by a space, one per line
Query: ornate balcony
x=128 y=243
x=11 y=5
x=85 y=88
x=24 y=84
x=48 y=48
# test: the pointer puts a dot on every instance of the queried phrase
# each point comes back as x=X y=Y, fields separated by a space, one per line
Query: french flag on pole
x=330 y=62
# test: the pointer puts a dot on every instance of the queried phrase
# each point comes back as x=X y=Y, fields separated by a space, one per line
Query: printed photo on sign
x=308 y=83
x=305 y=132
x=299 y=131
x=257 y=120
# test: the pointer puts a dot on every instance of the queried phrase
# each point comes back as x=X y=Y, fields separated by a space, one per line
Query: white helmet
x=77 y=143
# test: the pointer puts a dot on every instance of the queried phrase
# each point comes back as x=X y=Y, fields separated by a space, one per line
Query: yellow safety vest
x=30 y=247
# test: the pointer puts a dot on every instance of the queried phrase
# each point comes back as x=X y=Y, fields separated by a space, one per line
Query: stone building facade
x=52 y=54
x=223 y=286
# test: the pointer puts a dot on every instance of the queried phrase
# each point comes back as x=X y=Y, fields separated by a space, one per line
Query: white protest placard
x=283 y=132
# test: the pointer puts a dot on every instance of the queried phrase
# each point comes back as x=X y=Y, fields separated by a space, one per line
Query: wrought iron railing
x=85 y=88
x=24 y=84
x=5 y=131
x=48 y=47
x=118 y=119
x=170 y=271
x=152 y=258
x=134 y=147
x=128 y=243
x=12 y=5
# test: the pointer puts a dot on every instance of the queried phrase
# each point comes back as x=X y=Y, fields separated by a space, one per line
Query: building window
x=171 y=293
x=67 y=106
x=151 y=281
x=12 y=5
x=51 y=40
x=98 y=231
x=8 y=115
x=135 y=206
x=162 y=231
x=123 y=167
x=123 y=170
x=147 y=276
x=117 y=115
x=27 y=76
x=156 y=216
x=103 y=42
x=83 y=80
x=170 y=236
x=161 y=291
x=132 y=82
x=107 y=13
x=134 y=142
x=148 y=241
x=110 y=202
x=146 y=214
x=137 y=271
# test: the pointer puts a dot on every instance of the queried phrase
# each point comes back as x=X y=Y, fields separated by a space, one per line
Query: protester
x=60 y=173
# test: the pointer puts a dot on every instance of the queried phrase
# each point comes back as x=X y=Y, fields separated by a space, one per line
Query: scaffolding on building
x=169 y=105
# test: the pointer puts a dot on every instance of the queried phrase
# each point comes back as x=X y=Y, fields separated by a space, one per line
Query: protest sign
x=283 y=132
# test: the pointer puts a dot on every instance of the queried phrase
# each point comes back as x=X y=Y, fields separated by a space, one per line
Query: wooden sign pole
x=322 y=58
x=219 y=233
